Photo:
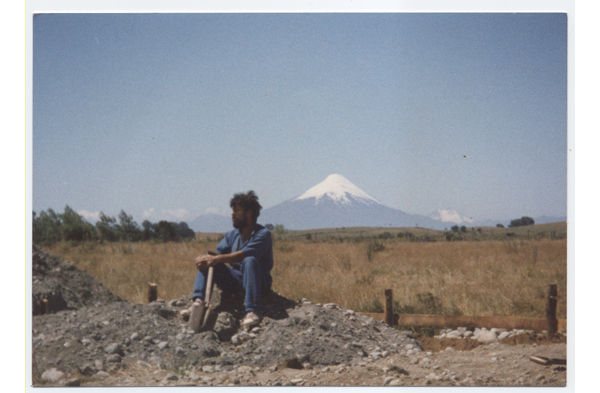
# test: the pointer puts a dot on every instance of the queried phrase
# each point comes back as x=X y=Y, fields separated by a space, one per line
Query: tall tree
x=107 y=228
x=75 y=227
x=46 y=227
x=127 y=228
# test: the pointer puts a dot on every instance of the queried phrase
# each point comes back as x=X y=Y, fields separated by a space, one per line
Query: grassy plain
x=487 y=272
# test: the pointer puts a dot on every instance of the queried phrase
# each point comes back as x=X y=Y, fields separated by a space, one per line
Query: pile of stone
x=483 y=335
x=61 y=286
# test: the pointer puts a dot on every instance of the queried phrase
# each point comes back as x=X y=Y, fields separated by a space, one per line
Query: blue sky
x=167 y=115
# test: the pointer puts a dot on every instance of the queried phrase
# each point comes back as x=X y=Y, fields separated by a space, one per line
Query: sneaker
x=251 y=319
x=185 y=314
x=196 y=315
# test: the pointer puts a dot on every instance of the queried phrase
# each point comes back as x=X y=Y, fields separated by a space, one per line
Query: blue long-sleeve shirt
x=259 y=246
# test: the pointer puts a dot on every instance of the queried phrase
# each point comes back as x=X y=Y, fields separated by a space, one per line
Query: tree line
x=50 y=227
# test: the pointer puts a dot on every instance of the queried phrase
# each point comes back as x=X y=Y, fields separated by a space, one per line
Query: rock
x=100 y=375
x=52 y=375
x=73 y=382
x=114 y=349
x=208 y=369
x=244 y=369
x=540 y=377
x=114 y=358
x=503 y=335
x=293 y=363
x=88 y=369
x=387 y=380
x=163 y=345
x=487 y=337
x=236 y=340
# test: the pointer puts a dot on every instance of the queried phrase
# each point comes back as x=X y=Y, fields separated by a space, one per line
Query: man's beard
x=238 y=224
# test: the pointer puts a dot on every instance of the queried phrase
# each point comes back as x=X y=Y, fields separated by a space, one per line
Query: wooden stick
x=43 y=306
x=152 y=292
x=389 y=307
x=209 y=284
x=551 y=295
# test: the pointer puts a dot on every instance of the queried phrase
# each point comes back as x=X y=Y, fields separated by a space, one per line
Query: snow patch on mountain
x=339 y=189
x=447 y=215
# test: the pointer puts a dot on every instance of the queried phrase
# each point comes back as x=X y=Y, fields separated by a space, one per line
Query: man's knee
x=250 y=263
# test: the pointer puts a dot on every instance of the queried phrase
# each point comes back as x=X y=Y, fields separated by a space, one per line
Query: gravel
x=106 y=341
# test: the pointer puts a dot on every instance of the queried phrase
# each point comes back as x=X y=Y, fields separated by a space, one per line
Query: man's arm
x=205 y=261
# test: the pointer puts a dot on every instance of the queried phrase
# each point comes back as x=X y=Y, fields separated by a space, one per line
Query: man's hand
x=205 y=261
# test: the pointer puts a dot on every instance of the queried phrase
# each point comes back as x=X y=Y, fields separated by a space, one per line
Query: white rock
x=100 y=375
x=163 y=345
x=52 y=375
x=487 y=337
x=503 y=335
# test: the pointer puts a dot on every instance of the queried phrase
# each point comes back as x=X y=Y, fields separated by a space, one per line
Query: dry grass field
x=500 y=276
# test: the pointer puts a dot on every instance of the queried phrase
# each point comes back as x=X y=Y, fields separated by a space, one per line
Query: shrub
x=372 y=247
x=521 y=222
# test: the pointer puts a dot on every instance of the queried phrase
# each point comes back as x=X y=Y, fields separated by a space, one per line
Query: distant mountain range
x=336 y=203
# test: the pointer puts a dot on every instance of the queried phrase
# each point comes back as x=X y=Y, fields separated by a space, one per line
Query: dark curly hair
x=247 y=201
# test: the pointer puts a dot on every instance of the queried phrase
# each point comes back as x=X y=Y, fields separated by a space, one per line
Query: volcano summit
x=336 y=202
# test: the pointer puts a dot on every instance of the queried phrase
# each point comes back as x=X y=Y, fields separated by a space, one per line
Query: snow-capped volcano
x=338 y=189
x=336 y=202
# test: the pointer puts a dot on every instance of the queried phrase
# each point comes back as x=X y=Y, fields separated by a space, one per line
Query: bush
x=373 y=247
x=521 y=222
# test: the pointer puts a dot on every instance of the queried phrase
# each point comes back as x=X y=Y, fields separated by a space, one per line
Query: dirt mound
x=63 y=285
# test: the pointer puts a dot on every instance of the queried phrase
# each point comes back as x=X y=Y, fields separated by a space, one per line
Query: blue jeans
x=250 y=279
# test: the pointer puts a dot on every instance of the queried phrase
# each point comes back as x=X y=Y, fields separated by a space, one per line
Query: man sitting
x=243 y=262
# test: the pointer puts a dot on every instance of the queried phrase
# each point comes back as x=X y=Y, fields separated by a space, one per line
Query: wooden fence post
x=152 y=292
x=551 y=295
x=389 y=307
x=43 y=306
